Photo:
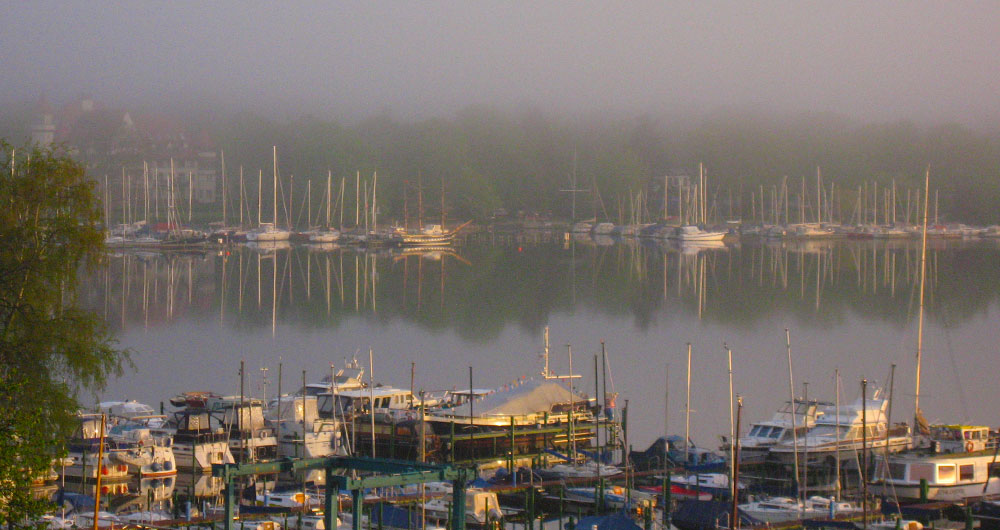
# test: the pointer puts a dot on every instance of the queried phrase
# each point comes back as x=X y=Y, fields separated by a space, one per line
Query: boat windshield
x=838 y=431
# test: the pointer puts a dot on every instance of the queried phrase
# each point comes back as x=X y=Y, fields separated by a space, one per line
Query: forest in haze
x=493 y=160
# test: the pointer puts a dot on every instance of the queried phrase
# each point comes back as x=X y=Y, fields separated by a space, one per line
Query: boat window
x=755 y=431
x=994 y=469
x=776 y=433
x=946 y=473
x=897 y=471
x=965 y=472
x=922 y=471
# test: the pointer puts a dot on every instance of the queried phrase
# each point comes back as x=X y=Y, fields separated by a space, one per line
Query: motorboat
x=859 y=426
x=695 y=233
x=197 y=443
x=764 y=435
x=301 y=433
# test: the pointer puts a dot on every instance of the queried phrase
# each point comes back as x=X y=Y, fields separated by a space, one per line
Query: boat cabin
x=959 y=438
x=386 y=399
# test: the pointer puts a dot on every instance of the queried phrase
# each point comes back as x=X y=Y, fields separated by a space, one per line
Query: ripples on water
x=849 y=305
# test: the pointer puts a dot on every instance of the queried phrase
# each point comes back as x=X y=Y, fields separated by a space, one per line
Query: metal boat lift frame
x=390 y=473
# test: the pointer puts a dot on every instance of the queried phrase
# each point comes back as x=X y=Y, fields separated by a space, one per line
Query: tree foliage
x=521 y=161
x=50 y=349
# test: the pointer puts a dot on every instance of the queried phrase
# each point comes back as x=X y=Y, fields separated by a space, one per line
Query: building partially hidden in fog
x=107 y=140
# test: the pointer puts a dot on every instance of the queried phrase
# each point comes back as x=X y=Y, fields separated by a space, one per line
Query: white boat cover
x=531 y=397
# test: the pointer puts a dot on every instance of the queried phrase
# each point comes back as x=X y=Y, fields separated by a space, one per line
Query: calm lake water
x=849 y=305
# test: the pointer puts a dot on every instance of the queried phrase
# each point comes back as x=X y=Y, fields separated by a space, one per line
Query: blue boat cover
x=617 y=521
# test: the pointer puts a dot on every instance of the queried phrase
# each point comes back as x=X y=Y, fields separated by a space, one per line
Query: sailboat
x=267 y=232
x=327 y=234
x=429 y=235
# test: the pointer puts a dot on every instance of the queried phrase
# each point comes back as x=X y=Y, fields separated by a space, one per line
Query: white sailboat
x=268 y=232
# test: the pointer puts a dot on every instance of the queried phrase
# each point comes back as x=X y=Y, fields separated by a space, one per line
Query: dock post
x=357 y=503
x=329 y=517
x=457 y=505
x=230 y=500
x=512 y=445
x=562 y=493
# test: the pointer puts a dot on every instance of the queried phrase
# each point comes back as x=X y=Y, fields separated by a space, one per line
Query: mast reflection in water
x=852 y=305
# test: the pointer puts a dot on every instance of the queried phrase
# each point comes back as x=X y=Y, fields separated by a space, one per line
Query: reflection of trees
x=484 y=286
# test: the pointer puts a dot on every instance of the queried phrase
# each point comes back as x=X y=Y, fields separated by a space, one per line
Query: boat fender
x=968 y=446
x=262 y=435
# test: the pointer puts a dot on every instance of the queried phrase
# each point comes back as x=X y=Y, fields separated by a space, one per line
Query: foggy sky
x=872 y=60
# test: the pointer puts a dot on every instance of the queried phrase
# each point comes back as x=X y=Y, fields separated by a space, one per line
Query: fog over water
x=914 y=60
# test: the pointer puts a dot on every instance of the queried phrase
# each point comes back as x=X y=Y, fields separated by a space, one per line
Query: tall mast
x=260 y=195
x=357 y=199
x=329 y=177
x=732 y=430
x=241 y=195
x=687 y=406
x=274 y=173
x=223 y=157
x=920 y=312
x=791 y=395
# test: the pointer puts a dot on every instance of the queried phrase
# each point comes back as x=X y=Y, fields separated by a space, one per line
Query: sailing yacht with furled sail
x=267 y=232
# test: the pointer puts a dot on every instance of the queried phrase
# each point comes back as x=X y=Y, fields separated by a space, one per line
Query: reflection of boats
x=696 y=246
x=956 y=463
x=433 y=253
x=268 y=247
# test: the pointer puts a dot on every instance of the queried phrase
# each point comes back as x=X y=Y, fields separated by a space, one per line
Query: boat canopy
x=532 y=397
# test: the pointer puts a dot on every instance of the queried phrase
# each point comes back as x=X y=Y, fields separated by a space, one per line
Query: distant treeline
x=491 y=160
x=523 y=161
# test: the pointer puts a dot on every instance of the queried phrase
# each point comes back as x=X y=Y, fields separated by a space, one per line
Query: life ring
x=262 y=435
x=968 y=446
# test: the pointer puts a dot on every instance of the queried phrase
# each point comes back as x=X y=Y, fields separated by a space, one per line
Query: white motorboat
x=695 y=233
x=301 y=432
x=197 y=443
x=859 y=426
x=480 y=507
x=763 y=435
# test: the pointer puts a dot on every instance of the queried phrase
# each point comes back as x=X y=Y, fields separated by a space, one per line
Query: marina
x=529 y=421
